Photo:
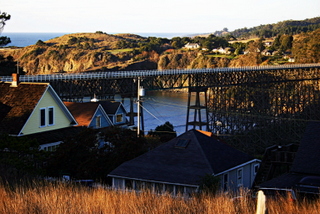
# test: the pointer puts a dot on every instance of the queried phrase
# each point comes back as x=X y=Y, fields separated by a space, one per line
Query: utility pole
x=140 y=93
x=138 y=108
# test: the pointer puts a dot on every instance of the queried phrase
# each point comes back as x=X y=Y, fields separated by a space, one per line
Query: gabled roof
x=82 y=112
x=307 y=156
x=17 y=103
x=184 y=160
x=111 y=107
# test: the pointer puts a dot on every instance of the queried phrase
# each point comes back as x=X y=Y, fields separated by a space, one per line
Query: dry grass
x=56 y=199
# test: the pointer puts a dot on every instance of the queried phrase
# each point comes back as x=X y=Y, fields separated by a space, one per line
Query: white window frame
x=45 y=116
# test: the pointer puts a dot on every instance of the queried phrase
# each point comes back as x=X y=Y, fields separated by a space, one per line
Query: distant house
x=304 y=175
x=90 y=114
x=221 y=50
x=29 y=108
x=267 y=52
x=268 y=44
x=179 y=165
x=116 y=112
x=192 y=46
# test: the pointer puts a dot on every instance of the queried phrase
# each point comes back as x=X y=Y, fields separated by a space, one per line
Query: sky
x=150 y=16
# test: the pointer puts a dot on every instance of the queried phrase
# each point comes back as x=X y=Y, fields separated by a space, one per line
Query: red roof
x=82 y=112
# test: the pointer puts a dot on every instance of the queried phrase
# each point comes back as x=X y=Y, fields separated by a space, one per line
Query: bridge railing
x=146 y=73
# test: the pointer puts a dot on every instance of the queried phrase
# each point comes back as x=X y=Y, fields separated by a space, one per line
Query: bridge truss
x=257 y=106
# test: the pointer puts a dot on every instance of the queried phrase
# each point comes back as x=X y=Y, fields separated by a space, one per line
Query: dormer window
x=47 y=116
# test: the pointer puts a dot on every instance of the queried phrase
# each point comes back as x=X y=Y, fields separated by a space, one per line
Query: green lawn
x=120 y=50
x=221 y=55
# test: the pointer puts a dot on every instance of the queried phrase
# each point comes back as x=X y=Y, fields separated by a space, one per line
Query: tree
x=20 y=158
x=94 y=153
x=165 y=132
x=3 y=18
x=286 y=42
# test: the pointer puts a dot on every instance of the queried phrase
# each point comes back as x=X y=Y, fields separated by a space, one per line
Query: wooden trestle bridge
x=264 y=104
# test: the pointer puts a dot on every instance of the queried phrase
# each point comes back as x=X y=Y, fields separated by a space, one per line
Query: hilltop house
x=192 y=46
x=31 y=108
x=179 y=165
x=221 y=50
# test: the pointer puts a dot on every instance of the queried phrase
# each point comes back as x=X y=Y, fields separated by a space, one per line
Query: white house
x=179 y=165
x=192 y=46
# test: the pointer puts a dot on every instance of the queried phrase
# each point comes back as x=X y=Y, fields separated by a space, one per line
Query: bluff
x=88 y=52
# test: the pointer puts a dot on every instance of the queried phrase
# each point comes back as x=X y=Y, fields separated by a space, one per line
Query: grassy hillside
x=78 y=52
x=76 y=200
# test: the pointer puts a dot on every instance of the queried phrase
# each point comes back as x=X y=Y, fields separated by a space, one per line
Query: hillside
x=77 y=53
x=291 y=27
x=95 y=52
x=85 y=52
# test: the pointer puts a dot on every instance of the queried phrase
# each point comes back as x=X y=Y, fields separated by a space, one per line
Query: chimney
x=15 y=80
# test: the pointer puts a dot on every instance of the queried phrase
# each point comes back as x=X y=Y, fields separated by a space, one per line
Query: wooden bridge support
x=197 y=107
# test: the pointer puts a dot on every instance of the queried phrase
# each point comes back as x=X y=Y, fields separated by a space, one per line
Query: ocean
x=26 y=39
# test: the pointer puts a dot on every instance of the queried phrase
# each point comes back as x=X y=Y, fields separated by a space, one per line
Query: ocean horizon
x=22 y=39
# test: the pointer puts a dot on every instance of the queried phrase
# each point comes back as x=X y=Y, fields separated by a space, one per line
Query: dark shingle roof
x=286 y=181
x=169 y=163
x=17 y=103
x=110 y=107
x=307 y=156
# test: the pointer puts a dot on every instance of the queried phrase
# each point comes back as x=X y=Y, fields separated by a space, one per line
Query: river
x=162 y=106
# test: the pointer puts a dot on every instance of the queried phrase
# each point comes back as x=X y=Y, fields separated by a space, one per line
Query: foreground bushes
x=62 y=198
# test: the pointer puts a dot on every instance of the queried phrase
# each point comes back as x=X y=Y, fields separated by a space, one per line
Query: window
x=255 y=169
x=51 y=116
x=119 y=118
x=42 y=117
x=240 y=177
x=98 y=121
x=46 y=116
x=225 y=182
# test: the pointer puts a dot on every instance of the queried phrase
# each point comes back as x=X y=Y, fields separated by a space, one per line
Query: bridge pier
x=197 y=107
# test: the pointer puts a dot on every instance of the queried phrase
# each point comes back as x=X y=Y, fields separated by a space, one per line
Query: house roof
x=56 y=135
x=306 y=160
x=307 y=156
x=17 y=103
x=82 y=112
x=286 y=181
x=110 y=107
x=184 y=159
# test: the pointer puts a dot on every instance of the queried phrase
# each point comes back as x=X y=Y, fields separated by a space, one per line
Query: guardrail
x=146 y=73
